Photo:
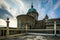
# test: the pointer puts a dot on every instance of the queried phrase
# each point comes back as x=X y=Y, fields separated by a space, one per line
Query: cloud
x=4 y=4
x=13 y=23
x=23 y=8
x=4 y=14
x=2 y=23
x=41 y=14
x=18 y=8
x=56 y=5
x=1 y=1
x=13 y=12
x=51 y=12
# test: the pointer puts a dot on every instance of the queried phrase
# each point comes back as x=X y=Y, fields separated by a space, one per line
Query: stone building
x=31 y=21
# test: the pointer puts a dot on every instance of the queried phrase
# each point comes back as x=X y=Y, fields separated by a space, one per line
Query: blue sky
x=17 y=7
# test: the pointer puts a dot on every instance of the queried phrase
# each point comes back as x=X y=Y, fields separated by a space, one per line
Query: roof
x=25 y=16
x=31 y=9
x=46 y=17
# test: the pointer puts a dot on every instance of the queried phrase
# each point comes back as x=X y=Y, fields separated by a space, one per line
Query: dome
x=31 y=10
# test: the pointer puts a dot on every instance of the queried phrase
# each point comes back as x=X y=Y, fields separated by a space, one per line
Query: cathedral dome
x=32 y=10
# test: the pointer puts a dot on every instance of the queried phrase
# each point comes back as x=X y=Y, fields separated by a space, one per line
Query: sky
x=13 y=8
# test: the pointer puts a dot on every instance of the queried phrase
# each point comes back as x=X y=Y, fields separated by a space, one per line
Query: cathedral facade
x=31 y=21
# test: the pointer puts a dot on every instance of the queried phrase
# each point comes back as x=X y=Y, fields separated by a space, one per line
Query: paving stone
x=30 y=37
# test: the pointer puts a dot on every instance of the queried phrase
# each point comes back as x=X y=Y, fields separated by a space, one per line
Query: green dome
x=31 y=10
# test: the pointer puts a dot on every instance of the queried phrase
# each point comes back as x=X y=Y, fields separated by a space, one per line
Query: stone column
x=55 y=27
x=7 y=32
x=26 y=27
